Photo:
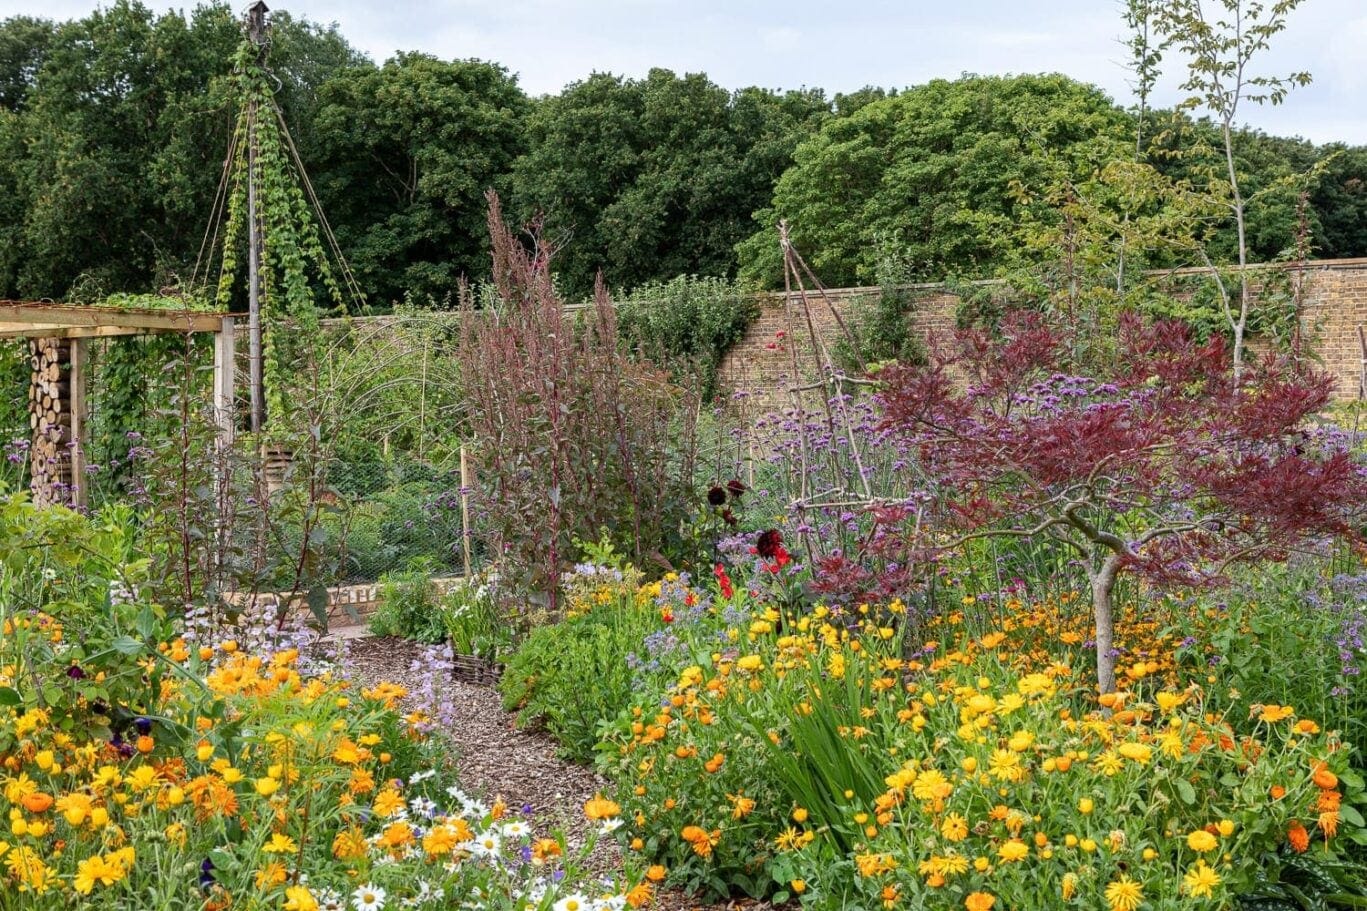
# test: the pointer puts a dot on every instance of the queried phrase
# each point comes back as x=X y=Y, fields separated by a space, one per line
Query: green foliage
x=409 y=605
x=571 y=675
x=883 y=324
x=475 y=625
x=655 y=177
x=114 y=147
x=86 y=573
x=689 y=321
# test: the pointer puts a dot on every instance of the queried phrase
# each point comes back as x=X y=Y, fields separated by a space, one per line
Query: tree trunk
x=1103 y=587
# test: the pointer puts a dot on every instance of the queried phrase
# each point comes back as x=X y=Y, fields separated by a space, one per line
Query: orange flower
x=37 y=802
x=980 y=901
x=1277 y=792
x=640 y=896
x=1297 y=837
x=656 y=873
x=1323 y=778
x=1329 y=823
x=601 y=808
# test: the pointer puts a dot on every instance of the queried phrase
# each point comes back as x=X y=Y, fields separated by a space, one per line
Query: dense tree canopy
x=656 y=177
x=934 y=173
x=404 y=155
x=113 y=129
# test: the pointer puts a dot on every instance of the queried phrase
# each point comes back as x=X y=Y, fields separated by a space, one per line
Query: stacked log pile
x=50 y=419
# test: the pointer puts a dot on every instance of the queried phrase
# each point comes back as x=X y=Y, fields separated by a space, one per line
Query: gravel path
x=494 y=758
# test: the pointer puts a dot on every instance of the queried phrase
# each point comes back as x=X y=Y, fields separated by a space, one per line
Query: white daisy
x=369 y=897
x=516 y=829
x=330 y=900
x=423 y=807
x=486 y=845
x=574 y=902
x=611 y=825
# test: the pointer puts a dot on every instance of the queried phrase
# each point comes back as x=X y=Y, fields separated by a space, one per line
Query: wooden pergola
x=59 y=337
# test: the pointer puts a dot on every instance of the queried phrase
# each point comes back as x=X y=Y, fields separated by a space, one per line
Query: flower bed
x=145 y=769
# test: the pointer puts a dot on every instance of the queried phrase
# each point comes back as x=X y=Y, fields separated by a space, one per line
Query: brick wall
x=760 y=367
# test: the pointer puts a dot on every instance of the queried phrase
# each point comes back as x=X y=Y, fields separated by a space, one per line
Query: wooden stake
x=465 y=508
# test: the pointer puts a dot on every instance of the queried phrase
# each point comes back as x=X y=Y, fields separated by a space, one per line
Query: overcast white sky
x=838 y=46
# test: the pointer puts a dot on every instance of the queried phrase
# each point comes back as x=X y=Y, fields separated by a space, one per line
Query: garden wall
x=759 y=367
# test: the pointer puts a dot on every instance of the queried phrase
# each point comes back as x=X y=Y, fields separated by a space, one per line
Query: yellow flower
x=1013 y=850
x=1005 y=766
x=1274 y=713
x=954 y=828
x=1202 y=841
x=280 y=843
x=602 y=808
x=1086 y=805
x=1137 y=752
x=267 y=786
x=299 y=898
x=980 y=901
x=1226 y=827
x=750 y=664
x=1200 y=880
x=1124 y=894
x=388 y=802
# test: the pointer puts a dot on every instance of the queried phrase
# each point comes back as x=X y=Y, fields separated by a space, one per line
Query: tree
x=656 y=177
x=123 y=127
x=406 y=152
x=24 y=43
x=1170 y=466
x=932 y=175
x=1220 y=42
x=1339 y=200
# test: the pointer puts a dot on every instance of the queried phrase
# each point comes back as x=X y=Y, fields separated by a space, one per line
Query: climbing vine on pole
x=295 y=275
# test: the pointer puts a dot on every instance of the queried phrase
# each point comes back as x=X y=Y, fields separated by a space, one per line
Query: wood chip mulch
x=494 y=758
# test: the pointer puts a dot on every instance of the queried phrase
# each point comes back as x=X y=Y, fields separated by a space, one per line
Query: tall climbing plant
x=296 y=278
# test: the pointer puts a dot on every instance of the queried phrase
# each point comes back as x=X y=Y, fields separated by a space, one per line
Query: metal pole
x=254 y=279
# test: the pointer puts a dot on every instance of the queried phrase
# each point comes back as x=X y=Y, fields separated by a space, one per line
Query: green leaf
x=10 y=696
x=126 y=645
x=1185 y=791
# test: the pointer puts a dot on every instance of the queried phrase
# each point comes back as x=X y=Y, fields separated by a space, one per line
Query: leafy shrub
x=690 y=321
x=884 y=329
x=410 y=605
x=573 y=674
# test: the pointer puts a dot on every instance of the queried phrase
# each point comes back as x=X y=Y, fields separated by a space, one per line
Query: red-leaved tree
x=1170 y=467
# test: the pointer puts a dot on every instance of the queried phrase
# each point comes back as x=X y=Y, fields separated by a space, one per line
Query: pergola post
x=225 y=363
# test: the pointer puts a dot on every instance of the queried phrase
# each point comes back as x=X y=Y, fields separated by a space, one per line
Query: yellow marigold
x=349 y=844
x=954 y=827
x=1200 y=881
x=1013 y=850
x=1124 y=894
x=388 y=802
x=1136 y=752
x=299 y=898
x=1202 y=841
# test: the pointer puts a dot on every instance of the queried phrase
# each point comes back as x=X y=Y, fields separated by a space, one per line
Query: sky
x=838 y=46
